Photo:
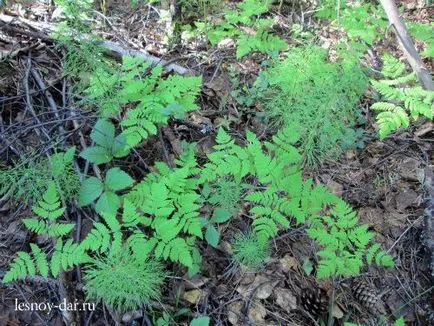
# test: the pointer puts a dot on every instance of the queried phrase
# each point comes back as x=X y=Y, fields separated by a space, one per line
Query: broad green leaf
x=97 y=155
x=69 y=155
x=212 y=236
x=307 y=266
x=109 y=203
x=103 y=133
x=116 y=179
x=120 y=146
x=90 y=190
x=220 y=215
x=200 y=321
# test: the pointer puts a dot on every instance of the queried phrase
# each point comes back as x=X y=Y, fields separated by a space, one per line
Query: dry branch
x=406 y=44
x=14 y=25
x=429 y=214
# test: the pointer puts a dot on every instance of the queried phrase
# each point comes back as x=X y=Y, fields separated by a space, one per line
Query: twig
x=29 y=105
x=48 y=96
x=165 y=151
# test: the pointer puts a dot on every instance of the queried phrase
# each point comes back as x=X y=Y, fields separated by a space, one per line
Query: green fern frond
x=404 y=99
x=51 y=229
x=49 y=207
x=392 y=67
x=27 y=265
x=265 y=228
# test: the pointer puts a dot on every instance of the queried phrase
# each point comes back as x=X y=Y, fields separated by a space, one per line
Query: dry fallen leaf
x=235 y=315
x=257 y=313
x=285 y=299
x=192 y=296
x=262 y=287
x=337 y=312
x=289 y=262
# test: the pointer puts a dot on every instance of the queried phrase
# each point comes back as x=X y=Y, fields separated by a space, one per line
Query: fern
x=345 y=243
x=322 y=96
x=167 y=202
x=401 y=99
x=364 y=22
x=27 y=265
x=254 y=38
x=49 y=209
x=150 y=99
x=281 y=196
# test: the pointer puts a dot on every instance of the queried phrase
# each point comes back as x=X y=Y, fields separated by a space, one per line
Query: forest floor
x=382 y=181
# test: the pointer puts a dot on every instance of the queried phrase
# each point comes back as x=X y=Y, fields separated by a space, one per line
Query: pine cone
x=366 y=295
x=314 y=301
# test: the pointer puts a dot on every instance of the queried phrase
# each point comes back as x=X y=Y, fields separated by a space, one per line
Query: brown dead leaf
x=195 y=282
x=226 y=43
x=285 y=299
x=257 y=313
x=235 y=315
x=192 y=296
x=288 y=263
x=262 y=287
x=409 y=169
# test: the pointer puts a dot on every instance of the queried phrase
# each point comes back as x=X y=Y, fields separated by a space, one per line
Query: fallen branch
x=429 y=215
x=15 y=25
x=406 y=44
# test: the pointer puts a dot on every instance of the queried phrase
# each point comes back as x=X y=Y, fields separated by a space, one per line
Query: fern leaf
x=49 y=207
x=40 y=259
x=265 y=228
x=371 y=253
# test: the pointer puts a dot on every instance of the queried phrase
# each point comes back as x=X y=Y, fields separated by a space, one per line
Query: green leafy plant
x=224 y=195
x=254 y=37
x=118 y=270
x=167 y=318
x=49 y=211
x=345 y=243
x=425 y=33
x=108 y=201
x=281 y=194
x=318 y=96
x=108 y=146
x=250 y=251
x=151 y=99
x=170 y=206
x=124 y=280
x=200 y=321
x=212 y=235
x=29 y=177
x=365 y=23
x=402 y=98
